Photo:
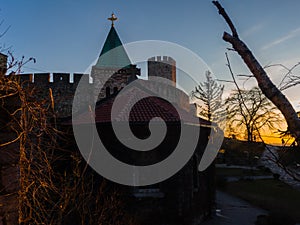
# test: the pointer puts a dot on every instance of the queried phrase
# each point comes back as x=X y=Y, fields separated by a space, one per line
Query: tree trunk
x=264 y=82
x=249 y=134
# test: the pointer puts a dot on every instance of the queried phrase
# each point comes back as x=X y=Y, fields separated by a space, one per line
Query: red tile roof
x=143 y=111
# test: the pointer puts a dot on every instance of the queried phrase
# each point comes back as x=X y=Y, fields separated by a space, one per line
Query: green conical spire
x=117 y=58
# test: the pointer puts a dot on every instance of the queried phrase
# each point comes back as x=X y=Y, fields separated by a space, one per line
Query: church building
x=186 y=198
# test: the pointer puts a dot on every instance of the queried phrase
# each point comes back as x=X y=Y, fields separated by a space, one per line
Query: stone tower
x=113 y=70
x=162 y=67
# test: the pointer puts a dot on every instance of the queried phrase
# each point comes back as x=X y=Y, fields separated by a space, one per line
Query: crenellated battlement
x=26 y=78
x=53 y=78
x=78 y=76
x=62 y=85
x=41 y=79
x=162 y=66
x=164 y=59
x=61 y=77
x=45 y=78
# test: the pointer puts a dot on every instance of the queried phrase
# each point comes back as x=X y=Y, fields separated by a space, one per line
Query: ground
x=233 y=210
x=246 y=172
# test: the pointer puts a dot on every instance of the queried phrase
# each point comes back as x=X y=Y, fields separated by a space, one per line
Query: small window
x=115 y=90
x=107 y=91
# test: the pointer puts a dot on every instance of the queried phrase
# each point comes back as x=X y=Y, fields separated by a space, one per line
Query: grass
x=272 y=195
x=281 y=200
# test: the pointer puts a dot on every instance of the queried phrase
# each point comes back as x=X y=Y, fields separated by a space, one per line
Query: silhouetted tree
x=250 y=112
x=208 y=95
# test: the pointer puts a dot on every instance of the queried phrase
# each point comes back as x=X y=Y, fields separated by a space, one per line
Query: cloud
x=278 y=41
x=253 y=30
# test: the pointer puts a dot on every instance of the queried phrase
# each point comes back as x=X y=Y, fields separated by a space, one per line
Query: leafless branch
x=227 y=18
x=264 y=82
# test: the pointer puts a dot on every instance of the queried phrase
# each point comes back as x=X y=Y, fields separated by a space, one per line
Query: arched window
x=115 y=90
x=107 y=90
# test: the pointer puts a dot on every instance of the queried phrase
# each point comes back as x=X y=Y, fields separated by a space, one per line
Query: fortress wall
x=62 y=89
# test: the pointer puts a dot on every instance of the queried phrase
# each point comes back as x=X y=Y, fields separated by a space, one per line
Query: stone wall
x=61 y=89
x=112 y=79
x=162 y=67
x=9 y=169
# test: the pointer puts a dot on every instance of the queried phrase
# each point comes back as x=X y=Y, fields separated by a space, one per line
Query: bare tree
x=254 y=115
x=55 y=184
x=209 y=97
x=265 y=84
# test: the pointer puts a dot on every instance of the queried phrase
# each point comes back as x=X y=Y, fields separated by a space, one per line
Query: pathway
x=235 y=211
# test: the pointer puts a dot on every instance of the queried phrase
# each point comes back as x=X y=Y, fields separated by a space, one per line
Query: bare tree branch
x=227 y=19
x=264 y=82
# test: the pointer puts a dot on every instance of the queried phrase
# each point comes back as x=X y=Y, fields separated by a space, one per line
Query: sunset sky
x=67 y=35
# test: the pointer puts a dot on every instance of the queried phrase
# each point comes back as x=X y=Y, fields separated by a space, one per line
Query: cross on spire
x=112 y=19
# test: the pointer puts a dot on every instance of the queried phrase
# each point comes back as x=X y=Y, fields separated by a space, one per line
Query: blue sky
x=67 y=35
